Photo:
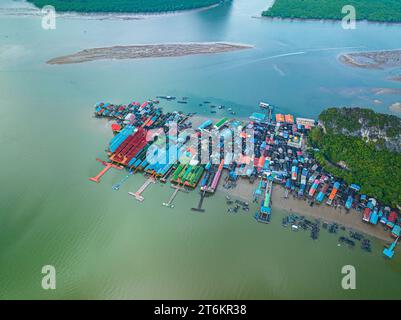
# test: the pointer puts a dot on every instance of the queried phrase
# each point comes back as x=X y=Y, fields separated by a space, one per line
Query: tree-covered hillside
x=124 y=5
x=382 y=129
x=372 y=10
x=377 y=170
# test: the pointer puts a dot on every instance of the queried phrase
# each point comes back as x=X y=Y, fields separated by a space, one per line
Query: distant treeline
x=124 y=5
x=372 y=10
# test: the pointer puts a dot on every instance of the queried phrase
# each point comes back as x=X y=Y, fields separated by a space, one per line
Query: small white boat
x=264 y=105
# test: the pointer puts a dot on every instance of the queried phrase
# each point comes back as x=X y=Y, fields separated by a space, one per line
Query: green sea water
x=106 y=245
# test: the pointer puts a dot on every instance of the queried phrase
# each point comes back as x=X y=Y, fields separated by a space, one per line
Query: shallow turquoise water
x=106 y=245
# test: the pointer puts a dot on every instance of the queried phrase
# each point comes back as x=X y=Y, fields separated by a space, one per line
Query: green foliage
x=124 y=5
x=372 y=10
x=383 y=128
x=316 y=137
x=378 y=172
x=352 y=119
x=335 y=118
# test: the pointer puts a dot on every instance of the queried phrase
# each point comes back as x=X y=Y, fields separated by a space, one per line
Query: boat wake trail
x=288 y=54
x=335 y=48
x=282 y=55
x=266 y=58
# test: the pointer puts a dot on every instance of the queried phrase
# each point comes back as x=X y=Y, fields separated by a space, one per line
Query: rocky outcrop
x=381 y=129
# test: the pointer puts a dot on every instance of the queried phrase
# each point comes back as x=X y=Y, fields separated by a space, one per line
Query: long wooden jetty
x=200 y=203
x=108 y=165
x=169 y=203
x=138 y=194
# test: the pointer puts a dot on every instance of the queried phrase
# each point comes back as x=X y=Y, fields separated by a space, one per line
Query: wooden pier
x=108 y=165
x=200 y=203
x=118 y=185
x=138 y=194
x=170 y=200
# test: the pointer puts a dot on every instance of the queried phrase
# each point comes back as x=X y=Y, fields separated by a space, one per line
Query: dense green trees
x=377 y=171
x=374 y=165
x=383 y=129
x=372 y=10
x=352 y=119
x=124 y=5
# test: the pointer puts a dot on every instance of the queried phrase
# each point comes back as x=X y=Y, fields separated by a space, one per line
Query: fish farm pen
x=144 y=143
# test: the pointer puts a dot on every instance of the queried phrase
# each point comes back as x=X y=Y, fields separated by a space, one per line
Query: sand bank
x=352 y=219
x=148 y=51
x=373 y=59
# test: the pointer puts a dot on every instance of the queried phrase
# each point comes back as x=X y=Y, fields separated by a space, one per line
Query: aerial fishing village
x=279 y=158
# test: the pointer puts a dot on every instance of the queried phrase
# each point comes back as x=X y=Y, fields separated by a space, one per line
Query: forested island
x=371 y=10
x=361 y=147
x=133 y=6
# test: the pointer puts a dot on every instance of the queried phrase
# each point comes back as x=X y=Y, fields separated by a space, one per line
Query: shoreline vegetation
x=373 y=59
x=368 y=143
x=148 y=51
x=384 y=11
x=125 y=6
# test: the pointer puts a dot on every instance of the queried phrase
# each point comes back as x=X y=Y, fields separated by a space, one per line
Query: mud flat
x=373 y=59
x=148 y=51
x=351 y=220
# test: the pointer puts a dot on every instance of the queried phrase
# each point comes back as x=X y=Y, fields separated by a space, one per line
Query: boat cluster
x=235 y=205
x=300 y=222
x=365 y=243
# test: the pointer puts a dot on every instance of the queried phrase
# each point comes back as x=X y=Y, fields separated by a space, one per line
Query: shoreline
x=29 y=9
x=141 y=51
x=381 y=59
x=346 y=59
x=351 y=220
x=325 y=20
